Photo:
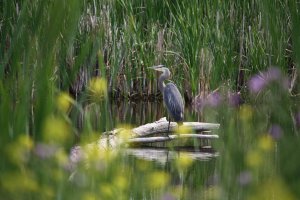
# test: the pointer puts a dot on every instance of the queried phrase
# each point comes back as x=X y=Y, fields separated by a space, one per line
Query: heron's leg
x=168 y=126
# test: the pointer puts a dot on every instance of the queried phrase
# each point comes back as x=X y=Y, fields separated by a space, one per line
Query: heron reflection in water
x=171 y=95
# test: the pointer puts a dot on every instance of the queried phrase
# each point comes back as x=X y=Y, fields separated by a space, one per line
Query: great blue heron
x=171 y=95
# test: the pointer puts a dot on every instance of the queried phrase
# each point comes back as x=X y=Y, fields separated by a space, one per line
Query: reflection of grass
x=48 y=48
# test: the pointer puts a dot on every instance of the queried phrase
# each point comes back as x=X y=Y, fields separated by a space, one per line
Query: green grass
x=50 y=48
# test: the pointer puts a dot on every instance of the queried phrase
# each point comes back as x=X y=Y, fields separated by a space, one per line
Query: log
x=161 y=126
x=171 y=137
x=140 y=135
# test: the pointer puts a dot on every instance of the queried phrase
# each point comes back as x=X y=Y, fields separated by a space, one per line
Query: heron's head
x=160 y=68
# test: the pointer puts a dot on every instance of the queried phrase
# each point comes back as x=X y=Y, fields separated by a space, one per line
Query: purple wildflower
x=168 y=196
x=199 y=103
x=214 y=99
x=286 y=83
x=234 y=99
x=45 y=151
x=257 y=83
x=275 y=131
x=272 y=74
x=244 y=178
x=76 y=154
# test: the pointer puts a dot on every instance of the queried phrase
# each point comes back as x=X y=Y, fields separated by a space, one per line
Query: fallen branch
x=161 y=126
x=171 y=137
x=141 y=134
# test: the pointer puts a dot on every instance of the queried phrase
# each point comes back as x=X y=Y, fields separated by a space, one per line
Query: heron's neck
x=165 y=75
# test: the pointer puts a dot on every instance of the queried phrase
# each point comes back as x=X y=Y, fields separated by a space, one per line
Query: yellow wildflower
x=89 y=196
x=246 y=112
x=266 y=143
x=125 y=131
x=125 y=134
x=61 y=157
x=19 y=182
x=254 y=158
x=25 y=141
x=273 y=188
x=98 y=87
x=120 y=182
x=64 y=102
x=56 y=131
x=184 y=161
x=18 y=151
x=96 y=155
x=106 y=190
x=184 y=130
x=158 y=179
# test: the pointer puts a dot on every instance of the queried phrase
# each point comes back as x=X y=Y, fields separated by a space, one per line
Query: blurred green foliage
x=52 y=48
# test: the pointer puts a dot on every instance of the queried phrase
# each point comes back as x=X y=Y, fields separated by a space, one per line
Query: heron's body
x=172 y=102
x=171 y=95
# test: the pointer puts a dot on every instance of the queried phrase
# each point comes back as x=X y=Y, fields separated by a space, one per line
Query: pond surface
x=243 y=156
x=192 y=181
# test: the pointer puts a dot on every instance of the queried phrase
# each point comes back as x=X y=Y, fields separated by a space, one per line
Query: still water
x=139 y=113
x=187 y=182
x=236 y=163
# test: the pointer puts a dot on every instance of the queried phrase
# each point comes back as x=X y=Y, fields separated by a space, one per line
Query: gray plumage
x=171 y=95
x=173 y=102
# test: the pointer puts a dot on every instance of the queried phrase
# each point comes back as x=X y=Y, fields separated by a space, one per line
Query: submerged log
x=161 y=126
x=141 y=135
x=170 y=137
x=152 y=135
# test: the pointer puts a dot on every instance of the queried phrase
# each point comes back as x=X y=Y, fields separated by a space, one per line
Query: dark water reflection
x=139 y=113
x=193 y=182
x=107 y=115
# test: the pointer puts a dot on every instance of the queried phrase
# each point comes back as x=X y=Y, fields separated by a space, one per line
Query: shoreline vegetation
x=206 y=45
x=65 y=66
x=215 y=45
